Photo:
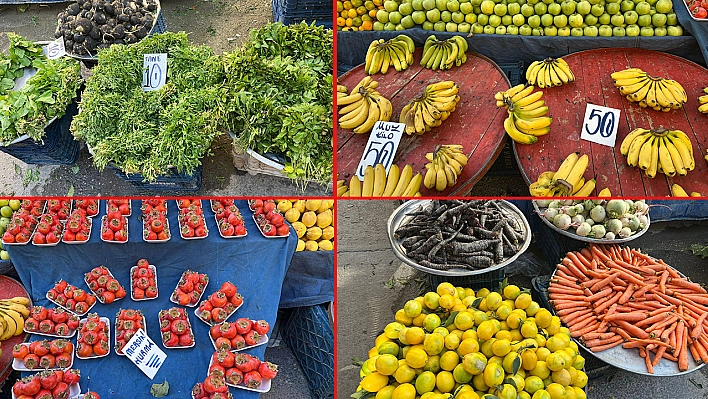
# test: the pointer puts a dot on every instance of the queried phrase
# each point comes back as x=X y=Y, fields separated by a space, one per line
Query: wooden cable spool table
x=476 y=122
x=593 y=84
x=10 y=288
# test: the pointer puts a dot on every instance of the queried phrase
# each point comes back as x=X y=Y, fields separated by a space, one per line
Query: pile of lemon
x=455 y=343
x=312 y=221
x=357 y=15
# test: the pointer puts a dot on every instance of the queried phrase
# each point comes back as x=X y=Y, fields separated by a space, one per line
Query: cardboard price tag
x=600 y=125
x=55 y=49
x=144 y=353
x=154 y=71
x=381 y=147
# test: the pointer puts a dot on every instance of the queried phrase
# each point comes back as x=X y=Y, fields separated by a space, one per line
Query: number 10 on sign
x=154 y=71
x=600 y=125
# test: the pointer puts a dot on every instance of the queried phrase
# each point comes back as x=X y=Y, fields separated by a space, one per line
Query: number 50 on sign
x=600 y=125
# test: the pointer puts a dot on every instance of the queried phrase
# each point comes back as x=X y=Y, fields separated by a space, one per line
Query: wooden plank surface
x=594 y=84
x=476 y=122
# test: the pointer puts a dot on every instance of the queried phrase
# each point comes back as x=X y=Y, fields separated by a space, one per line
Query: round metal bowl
x=399 y=218
x=574 y=236
x=629 y=359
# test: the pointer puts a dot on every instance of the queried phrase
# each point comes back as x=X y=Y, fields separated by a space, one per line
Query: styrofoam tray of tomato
x=186 y=202
x=229 y=219
x=244 y=334
x=202 y=280
x=188 y=232
x=53 y=294
x=264 y=385
x=199 y=391
x=152 y=282
x=123 y=313
x=28 y=215
x=47 y=224
x=167 y=319
x=164 y=229
x=74 y=388
x=42 y=318
x=110 y=285
x=268 y=235
x=60 y=208
x=123 y=231
x=88 y=206
x=53 y=353
x=83 y=234
x=112 y=204
x=82 y=335
x=215 y=204
x=226 y=299
x=150 y=204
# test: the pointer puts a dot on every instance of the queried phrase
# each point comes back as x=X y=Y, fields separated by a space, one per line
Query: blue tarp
x=310 y=280
x=255 y=264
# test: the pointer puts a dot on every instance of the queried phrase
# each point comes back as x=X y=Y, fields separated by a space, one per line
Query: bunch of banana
x=397 y=52
x=567 y=181
x=604 y=193
x=363 y=107
x=443 y=54
x=703 y=102
x=649 y=91
x=341 y=91
x=398 y=183
x=13 y=313
x=666 y=151
x=549 y=72
x=527 y=113
x=431 y=108
x=678 y=191
x=445 y=165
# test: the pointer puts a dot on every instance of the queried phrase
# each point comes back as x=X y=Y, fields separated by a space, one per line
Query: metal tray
x=629 y=359
x=574 y=236
x=398 y=218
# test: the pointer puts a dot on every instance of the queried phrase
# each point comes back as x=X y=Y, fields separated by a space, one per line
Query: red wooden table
x=476 y=122
x=594 y=85
x=9 y=288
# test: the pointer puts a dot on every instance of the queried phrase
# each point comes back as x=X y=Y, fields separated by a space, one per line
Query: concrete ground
x=372 y=284
x=221 y=24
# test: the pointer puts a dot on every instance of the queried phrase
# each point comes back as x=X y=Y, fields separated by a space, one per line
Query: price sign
x=144 y=353
x=154 y=71
x=381 y=147
x=55 y=49
x=600 y=125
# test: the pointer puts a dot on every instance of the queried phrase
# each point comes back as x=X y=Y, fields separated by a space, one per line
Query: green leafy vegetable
x=700 y=250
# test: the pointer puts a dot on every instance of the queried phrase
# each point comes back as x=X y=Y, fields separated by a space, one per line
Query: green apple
x=617 y=20
x=642 y=8
x=464 y=27
x=378 y=26
x=433 y=15
x=6 y=211
x=564 y=31
x=546 y=20
x=477 y=28
x=4 y=255
x=534 y=21
x=532 y=2
x=513 y=9
x=500 y=9
x=540 y=8
x=626 y=5
x=418 y=17
x=471 y=18
x=618 y=31
x=382 y=16
x=590 y=31
x=395 y=17
x=400 y=27
x=428 y=4
x=576 y=32
x=453 y=5
x=644 y=20
x=658 y=20
x=631 y=17
x=407 y=22
x=4 y=202
x=507 y=20
x=487 y=7
x=527 y=10
x=660 y=31
x=500 y=30
x=483 y=19
x=575 y=20
x=15 y=204
x=525 y=30
x=671 y=19
x=390 y=5
x=4 y=221
x=646 y=31
x=477 y=10
x=512 y=30
x=632 y=30
x=439 y=26
x=547 y=2
x=561 y=21
x=476 y=3
x=554 y=9
x=390 y=26
x=590 y=20
x=489 y=30
x=584 y=7
x=427 y=25
x=458 y=17
x=652 y=2
x=537 y=31
x=441 y=5
x=451 y=27
x=597 y=10
x=417 y=5
x=550 y=31
x=518 y=20
x=405 y=9
x=466 y=8
x=446 y=16
x=604 y=19
x=674 y=30
x=494 y=21
x=612 y=8
x=605 y=30
x=568 y=7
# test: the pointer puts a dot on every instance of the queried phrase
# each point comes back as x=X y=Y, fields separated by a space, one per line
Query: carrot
x=627 y=293
x=653 y=319
x=565 y=312
x=698 y=328
x=642 y=352
x=578 y=264
x=680 y=327
x=571 y=270
x=624 y=334
x=585 y=330
x=694 y=353
x=672 y=273
x=644 y=305
x=683 y=356
x=626 y=267
x=662 y=310
x=602 y=283
x=697 y=298
x=648 y=363
x=565 y=290
x=640 y=292
x=672 y=339
x=577 y=325
x=598 y=335
x=670 y=357
x=634 y=343
x=598 y=252
x=605 y=347
x=567 y=297
x=659 y=355
x=599 y=342
x=701 y=345
x=636 y=331
x=563 y=304
x=606 y=304
x=672 y=319
x=662 y=281
x=631 y=317
x=599 y=295
x=687 y=284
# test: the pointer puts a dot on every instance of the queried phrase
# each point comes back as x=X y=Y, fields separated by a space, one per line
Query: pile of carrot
x=609 y=295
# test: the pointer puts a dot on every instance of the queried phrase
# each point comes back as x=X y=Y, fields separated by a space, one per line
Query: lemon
x=309 y=219
x=562 y=377
x=468 y=301
x=325 y=245
x=471 y=333
x=528 y=359
x=402 y=318
x=441 y=331
x=557 y=391
x=446 y=301
x=391 y=330
x=522 y=301
x=468 y=345
x=415 y=335
x=446 y=288
x=541 y=394
x=579 y=393
x=543 y=318
x=388 y=348
x=555 y=343
x=474 y=363
x=579 y=362
x=507 y=392
x=532 y=384
x=374 y=382
x=511 y=292
x=524 y=395
x=300 y=229
x=404 y=391
x=572 y=354
x=311 y=245
x=412 y=308
x=452 y=341
x=569 y=393
x=501 y=347
x=529 y=329
x=508 y=362
x=554 y=327
x=416 y=358
x=483 y=292
x=404 y=373
x=433 y=343
x=486 y=347
x=532 y=308
x=467 y=395
x=514 y=320
x=486 y=330
x=328 y=233
x=555 y=361
x=431 y=322
x=386 y=364
x=425 y=382
x=478 y=383
x=461 y=293
x=433 y=364
x=493 y=375
x=541 y=340
x=542 y=353
x=503 y=334
x=460 y=374
x=494 y=300
x=567 y=358
x=479 y=317
x=541 y=370
x=516 y=335
x=464 y=321
x=432 y=300
x=300 y=245
x=581 y=380
x=449 y=360
x=418 y=320
x=503 y=311
x=385 y=392
x=573 y=374
x=324 y=219
x=444 y=381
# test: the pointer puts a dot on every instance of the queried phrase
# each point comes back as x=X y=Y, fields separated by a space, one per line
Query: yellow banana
x=372 y=117
x=578 y=170
x=565 y=68
x=440 y=177
x=11 y=327
x=627 y=73
x=457 y=155
x=352 y=107
x=532 y=72
x=577 y=186
x=20 y=300
x=533 y=123
x=528 y=100
x=403 y=181
x=370 y=54
x=604 y=193
x=376 y=62
x=703 y=108
x=443 y=94
x=641 y=94
x=566 y=167
x=523 y=93
x=354 y=187
x=17 y=319
x=667 y=165
x=678 y=191
x=16 y=307
x=645 y=154
x=654 y=158
x=534 y=113
x=515 y=134
x=514 y=90
x=341 y=190
x=631 y=88
x=430 y=176
x=586 y=190
x=675 y=157
x=541 y=76
x=677 y=90
x=624 y=148
x=531 y=106
x=357 y=119
x=404 y=112
x=413 y=186
x=680 y=144
x=555 y=79
x=367 y=189
x=351 y=98
x=635 y=148
x=546 y=178
x=392 y=180
x=379 y=180
x=385 y=108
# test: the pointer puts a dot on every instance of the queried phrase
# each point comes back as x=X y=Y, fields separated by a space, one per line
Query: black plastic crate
x=490 y=280
x=515 y=72
x=505 y=165
x=172 y=181
x=57 y=147
x=309 y=335
x=295 y=11
x=555 y=245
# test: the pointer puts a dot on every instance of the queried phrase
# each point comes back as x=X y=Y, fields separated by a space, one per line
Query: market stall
x=255 y=264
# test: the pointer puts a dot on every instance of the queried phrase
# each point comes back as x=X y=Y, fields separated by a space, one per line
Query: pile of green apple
x=533 y=17
x=7 y=207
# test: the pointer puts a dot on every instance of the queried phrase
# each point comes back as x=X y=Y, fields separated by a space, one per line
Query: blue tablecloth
x=310 y=280
x=255 y=264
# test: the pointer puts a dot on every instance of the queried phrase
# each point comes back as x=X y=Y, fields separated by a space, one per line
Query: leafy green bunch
x=151 y=132
x=44 y=96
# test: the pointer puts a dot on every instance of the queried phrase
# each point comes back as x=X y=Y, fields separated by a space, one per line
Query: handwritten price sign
x=381 y=147
x=56 y=49
x=600 y=125
x=144 y=353
x=154 y=71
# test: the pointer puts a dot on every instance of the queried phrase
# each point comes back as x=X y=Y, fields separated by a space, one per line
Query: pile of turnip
x=600 y=219
x=90 y=25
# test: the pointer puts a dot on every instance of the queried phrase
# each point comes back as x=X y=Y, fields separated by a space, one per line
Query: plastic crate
x=173 y=181
x=489 y=280
x=57 y=147
x=555 y=245
x=309 y=335
x=295 y=11
x=6 y=267
x=515 y=72
x=505 y=164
